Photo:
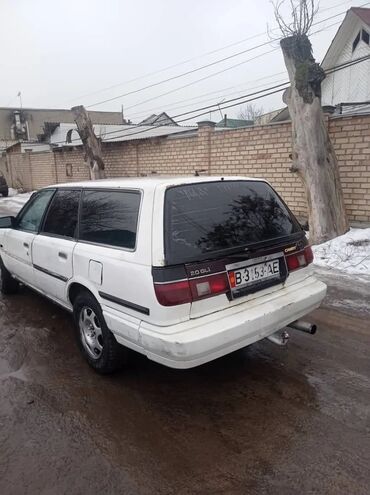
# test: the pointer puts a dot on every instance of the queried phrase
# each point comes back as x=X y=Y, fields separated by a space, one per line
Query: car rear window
x=212 y=217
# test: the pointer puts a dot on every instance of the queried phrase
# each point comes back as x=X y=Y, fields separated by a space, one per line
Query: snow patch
x=13 y=203
x=349 y=253
x=12 y=192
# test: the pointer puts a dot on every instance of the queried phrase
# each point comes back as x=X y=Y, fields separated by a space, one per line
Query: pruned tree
x=92 y=146
x=250 y=112
x=314 y=159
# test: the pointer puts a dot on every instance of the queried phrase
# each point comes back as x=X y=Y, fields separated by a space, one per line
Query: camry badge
x=290 y=249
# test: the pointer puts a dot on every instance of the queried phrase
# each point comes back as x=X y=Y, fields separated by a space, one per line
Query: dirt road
x=264 y=420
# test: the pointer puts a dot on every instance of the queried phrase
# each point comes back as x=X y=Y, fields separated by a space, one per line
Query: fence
x=258 y=151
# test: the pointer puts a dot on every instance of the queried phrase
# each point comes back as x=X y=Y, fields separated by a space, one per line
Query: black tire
x=112 y=356
x=8 y=284
x=6 y=193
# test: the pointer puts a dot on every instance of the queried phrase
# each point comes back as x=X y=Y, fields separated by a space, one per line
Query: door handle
x=26 y=245
x=62 y=255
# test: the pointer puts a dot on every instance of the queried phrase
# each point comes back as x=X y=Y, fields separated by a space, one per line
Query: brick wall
x=351 y=140
x=259 y=151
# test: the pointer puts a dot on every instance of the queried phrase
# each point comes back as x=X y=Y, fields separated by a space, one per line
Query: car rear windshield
x=215 y=217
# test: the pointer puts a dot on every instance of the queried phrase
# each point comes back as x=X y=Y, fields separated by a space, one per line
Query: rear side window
x=62 y=216
x=110 y=217
x=214 y=217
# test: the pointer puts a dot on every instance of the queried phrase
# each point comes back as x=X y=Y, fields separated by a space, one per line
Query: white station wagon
x=182 y=270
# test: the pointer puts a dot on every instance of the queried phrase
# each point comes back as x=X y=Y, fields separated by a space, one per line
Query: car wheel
x=96 y=341
x=6 y=193
x=8 y=284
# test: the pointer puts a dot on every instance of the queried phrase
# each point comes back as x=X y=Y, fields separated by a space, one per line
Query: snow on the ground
x=14 y=202
x=12 y=192
x=349 y=253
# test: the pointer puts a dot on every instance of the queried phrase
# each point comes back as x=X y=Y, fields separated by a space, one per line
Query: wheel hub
x=91 y=333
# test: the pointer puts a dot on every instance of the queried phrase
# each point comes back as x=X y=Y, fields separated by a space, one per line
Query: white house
x=351 y=84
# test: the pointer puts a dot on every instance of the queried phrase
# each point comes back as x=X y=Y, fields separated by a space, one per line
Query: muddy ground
x=264 y=420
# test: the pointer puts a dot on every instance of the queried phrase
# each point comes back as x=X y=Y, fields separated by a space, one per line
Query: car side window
x=62 y=216
x=31 y=216
x=110 y=217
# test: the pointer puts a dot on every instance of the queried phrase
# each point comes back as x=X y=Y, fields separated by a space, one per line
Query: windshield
x=214 y=216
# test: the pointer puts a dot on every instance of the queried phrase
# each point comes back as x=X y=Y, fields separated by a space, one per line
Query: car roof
x=149 y=182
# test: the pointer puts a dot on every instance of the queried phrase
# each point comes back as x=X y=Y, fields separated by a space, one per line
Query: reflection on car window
x=63 y=214
x=110 y=217
x=215 y=216
x=30 y=218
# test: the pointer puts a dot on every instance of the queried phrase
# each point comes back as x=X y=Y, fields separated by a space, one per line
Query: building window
x=365 y=36
x=362 y=35
x=356 y=42
x=69 y=170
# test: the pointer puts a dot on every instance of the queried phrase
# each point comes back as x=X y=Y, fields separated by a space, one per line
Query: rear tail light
x=299 y=259
x=172 y=293
x=187 y=291
x=308 y=254
x=209 y=286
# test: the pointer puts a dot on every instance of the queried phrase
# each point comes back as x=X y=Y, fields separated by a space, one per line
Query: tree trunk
x=96 y=173
x=93 y=153
x=314 y=158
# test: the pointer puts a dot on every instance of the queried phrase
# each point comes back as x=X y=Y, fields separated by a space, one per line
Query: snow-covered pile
x=349 y=253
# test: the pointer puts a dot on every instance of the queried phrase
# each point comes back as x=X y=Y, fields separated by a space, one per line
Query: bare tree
x=314 y=159
x=91 y=143
x=250 y=112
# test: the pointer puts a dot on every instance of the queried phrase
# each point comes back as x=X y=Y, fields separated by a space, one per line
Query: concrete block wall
x=351 y=140
x=263 y=152
x=260 y=151
x=70 y=166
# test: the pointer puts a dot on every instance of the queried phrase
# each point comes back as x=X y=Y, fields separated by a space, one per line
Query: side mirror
x=7 y=222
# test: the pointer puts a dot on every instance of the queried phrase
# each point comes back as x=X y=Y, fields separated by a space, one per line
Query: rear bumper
x=203 y=339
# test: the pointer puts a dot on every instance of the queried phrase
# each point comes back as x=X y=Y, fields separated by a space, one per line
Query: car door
x=53 y=247
x=18 y=241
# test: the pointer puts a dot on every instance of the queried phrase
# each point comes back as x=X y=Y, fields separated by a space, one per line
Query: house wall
x=259 y=151
x=351 y=84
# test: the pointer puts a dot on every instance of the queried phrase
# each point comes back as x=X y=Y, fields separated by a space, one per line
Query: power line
x=202 y=79
x=230 y=45
x=215 y=73
x=329 y=71
x=223 y=95
x=183 y=74
x=202 y=67
x=215 y=91
x=250 y=97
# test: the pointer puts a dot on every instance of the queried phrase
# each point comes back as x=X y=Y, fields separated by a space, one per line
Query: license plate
x=255 y=274
x=250 y=274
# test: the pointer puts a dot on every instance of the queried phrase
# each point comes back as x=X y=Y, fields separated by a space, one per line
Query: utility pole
x=91 y=143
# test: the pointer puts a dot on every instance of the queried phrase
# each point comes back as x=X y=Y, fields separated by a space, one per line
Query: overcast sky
x=60 y=54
